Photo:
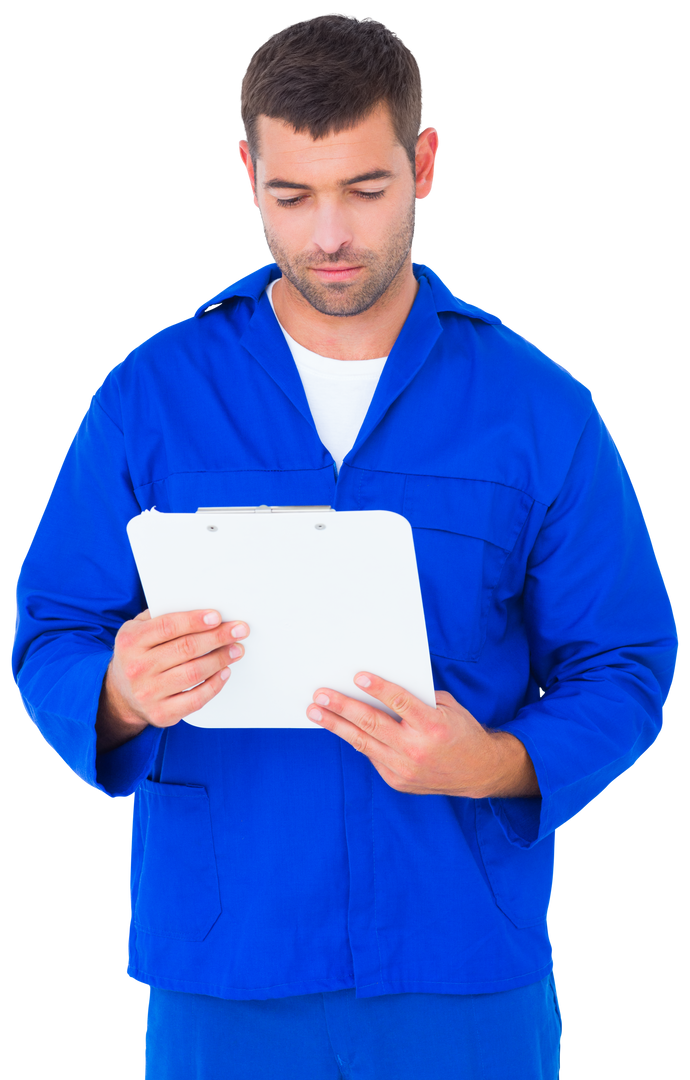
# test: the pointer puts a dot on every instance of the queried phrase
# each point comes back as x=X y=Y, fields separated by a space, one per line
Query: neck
x=347 y=337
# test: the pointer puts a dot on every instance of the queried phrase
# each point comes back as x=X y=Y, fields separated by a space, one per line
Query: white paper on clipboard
x=326 y=594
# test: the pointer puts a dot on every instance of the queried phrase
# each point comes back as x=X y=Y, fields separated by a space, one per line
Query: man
x=369 y=900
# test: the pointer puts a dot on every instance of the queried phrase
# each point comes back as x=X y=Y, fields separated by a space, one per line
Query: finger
x=368 y=730
x=143 y=616
x=175 y=624
x=182 y=677
x=179 y=625
x=396 y=698
x=350 y=717
x=191 y=647
x=174 y=708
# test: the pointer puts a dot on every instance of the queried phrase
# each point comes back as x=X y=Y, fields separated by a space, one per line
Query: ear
x=249 y=166
x=425 y=157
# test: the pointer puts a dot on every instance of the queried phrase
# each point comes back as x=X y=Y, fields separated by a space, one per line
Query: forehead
x=369 y=145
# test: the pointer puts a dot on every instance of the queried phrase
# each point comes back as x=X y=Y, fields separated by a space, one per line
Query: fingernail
x=212 y=618
x=321 y=699
x=225 y=673
x=239 y=631
x=362 y=680
x=235 y=651
x=314 y=714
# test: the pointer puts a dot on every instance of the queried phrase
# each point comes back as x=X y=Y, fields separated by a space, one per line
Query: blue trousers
x=513 y=1035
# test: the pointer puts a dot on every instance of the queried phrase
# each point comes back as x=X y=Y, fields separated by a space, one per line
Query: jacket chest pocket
x=464 y=531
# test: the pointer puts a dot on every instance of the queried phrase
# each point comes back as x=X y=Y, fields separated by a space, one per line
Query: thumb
x=444 y=698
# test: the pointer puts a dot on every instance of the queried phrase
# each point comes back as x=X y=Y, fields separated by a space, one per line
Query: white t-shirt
x=339 y=392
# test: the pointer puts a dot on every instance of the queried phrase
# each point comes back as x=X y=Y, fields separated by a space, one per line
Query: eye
x=298 y=199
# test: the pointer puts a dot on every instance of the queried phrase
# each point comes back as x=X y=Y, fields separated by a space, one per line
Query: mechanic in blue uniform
x=367 y=900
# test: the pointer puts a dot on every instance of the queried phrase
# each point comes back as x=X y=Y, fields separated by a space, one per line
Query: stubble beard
x=347 y=297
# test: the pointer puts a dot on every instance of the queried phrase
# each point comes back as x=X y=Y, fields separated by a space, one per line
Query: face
x=338 y=212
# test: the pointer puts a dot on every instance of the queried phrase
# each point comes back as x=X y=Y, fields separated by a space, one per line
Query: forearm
x=509 y=772
x=115 y=723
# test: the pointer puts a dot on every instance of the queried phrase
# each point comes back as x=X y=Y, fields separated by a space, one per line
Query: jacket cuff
x=523 y=819
x=121 y=771
x=520 y=819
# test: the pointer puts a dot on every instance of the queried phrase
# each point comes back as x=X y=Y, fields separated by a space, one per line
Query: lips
x=340 y=273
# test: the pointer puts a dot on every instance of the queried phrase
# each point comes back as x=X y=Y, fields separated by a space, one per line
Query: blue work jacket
x=271 y=862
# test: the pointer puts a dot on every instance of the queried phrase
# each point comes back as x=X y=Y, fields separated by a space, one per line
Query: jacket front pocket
x=178 y=894
x=520 y=878
x=464 y=530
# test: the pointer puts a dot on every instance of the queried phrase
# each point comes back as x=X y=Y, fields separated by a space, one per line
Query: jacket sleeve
x=77 y=586
x=602 y=642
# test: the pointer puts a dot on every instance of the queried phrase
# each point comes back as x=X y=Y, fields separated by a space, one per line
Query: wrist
x=116 y=722
x=509 y=771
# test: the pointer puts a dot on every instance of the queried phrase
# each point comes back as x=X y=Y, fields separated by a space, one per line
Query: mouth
x=337 y=274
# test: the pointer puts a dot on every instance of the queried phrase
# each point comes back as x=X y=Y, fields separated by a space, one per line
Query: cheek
x=284 y=228
x=377 y=222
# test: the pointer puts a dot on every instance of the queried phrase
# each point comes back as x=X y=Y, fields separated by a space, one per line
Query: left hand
x=441 y=751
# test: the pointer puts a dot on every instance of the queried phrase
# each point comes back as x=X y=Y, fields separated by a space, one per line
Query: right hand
x=155 y=660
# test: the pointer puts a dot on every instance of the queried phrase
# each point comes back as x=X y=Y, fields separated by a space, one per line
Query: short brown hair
x=327 y=74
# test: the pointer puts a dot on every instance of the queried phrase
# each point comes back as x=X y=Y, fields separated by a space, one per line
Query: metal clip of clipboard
x=263 y=509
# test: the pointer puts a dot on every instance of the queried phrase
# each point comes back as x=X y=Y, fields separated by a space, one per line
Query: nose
x=331 y=231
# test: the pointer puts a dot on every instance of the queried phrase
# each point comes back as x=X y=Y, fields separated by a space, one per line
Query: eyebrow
x=376 y=174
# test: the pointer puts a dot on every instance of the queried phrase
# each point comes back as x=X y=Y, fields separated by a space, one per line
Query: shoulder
x=183 y=351
x=177 y=354
x=531 y=376
x=513 y=370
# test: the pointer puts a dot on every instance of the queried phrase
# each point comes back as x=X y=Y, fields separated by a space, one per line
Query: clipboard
x=325 y=593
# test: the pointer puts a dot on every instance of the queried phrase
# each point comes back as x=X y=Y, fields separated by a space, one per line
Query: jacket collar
x=264 y=339
x=255 y=284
